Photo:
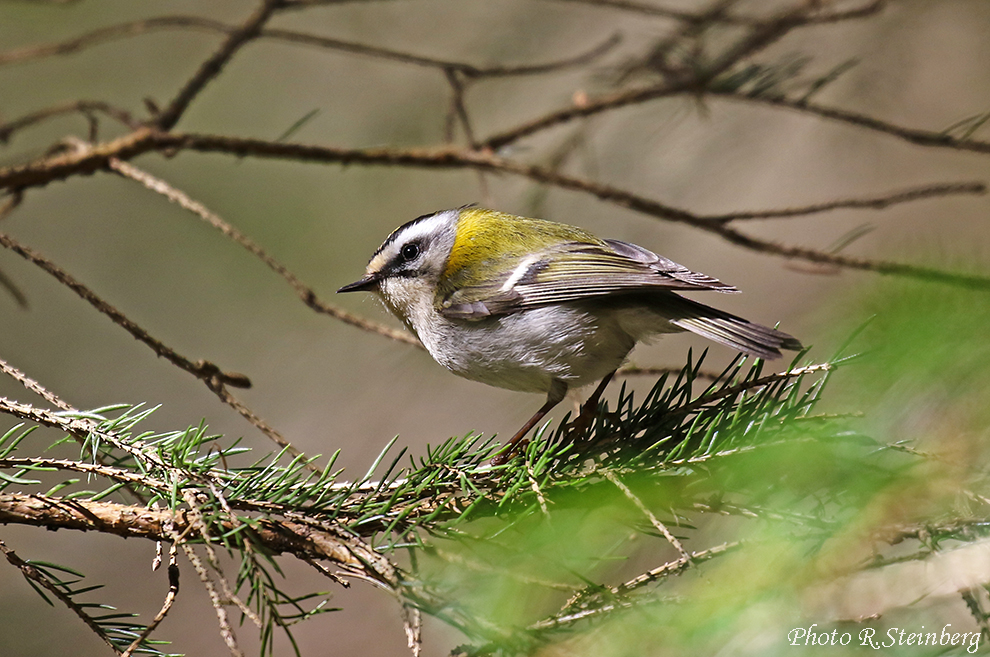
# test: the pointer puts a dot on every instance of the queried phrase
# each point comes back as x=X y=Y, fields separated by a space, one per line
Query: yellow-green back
x=489 y=243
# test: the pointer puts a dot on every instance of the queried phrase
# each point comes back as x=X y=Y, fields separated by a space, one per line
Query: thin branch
x=694 y=81
x=197 y=523
x=811 y=17
x=458 y=109
x=471 y=71
x=212 y=66
x=79 y=427
x=35 y=575
x=11 y=204
x=927 y=138
x=173 y=591
x=100 y=469
x=304 y=292
x=673 y=567
x=673 y=540
x=80 y=106
x=226 y=631
x=588 y=107
x=139 y=27
x=201 y=369
x=594 y=597
x=209 y=373
x=33 y=385
x=732 y=391
x=971 y=281
x=55 y=401
x=8 y=284
x=869 y=203
x=631 y=370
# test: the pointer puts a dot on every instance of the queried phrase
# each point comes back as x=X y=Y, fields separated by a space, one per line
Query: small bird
x=538 y=306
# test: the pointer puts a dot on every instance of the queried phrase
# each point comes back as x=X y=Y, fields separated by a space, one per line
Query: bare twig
x=458 y=109
x=673 y=567
x=927 y=138
x=226 y=631
x=212 y=66
x=35 y=575
x=594 y=597
x=81 y=106
x=201 y=369
x=214 y=378
x=972 y=281
x=173 y=590
x=630 y=370
x=11 y=204
x=197 y=523
x=731 y=391
x=304 y=292
x=812 y=16
x=869 y=203
x=590 y=107
x=144 y=26
x=673 y=540
x=33 y=385
x=471 y=71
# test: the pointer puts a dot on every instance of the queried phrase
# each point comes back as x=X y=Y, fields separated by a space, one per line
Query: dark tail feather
x=727 y=329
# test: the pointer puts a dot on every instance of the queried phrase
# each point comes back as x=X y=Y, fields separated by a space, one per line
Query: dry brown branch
x=173 y=591
x=277 y=537
x=695 y=80
x=11 y=204
x=631 y=370
x=212 y=66
x=470 y=71
x=732 y=391
x=8 y=284
x=306 y=293
x=139 y=27
x=927 y=138
x=35 y=575
x=589 y=107
x=869 y=203
x=815 y=16
x=223 y=622
x=85 y=107
x=211 y=375
x=202 y=369
x=971 y=281
x=33 y=385
x=198 y=524
x=660 y=527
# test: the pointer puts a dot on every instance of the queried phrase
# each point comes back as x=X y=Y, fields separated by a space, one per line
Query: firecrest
x=538 y=306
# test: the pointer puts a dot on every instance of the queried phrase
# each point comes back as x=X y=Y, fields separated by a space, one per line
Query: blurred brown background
x=327 y=386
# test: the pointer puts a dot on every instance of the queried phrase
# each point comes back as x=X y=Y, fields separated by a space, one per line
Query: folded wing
x=573 y=271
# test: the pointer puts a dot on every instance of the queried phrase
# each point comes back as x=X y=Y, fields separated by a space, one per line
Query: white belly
x=527 y=350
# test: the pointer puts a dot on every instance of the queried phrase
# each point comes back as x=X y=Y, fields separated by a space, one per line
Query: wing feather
x=572 y=271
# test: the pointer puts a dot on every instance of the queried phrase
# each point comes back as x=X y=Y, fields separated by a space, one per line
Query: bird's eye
x=410 y=251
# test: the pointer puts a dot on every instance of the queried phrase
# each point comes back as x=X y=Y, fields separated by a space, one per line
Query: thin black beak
x=365 y=283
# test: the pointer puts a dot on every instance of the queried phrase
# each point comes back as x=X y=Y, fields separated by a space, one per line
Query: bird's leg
x=589 y=409
x=558 y=389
